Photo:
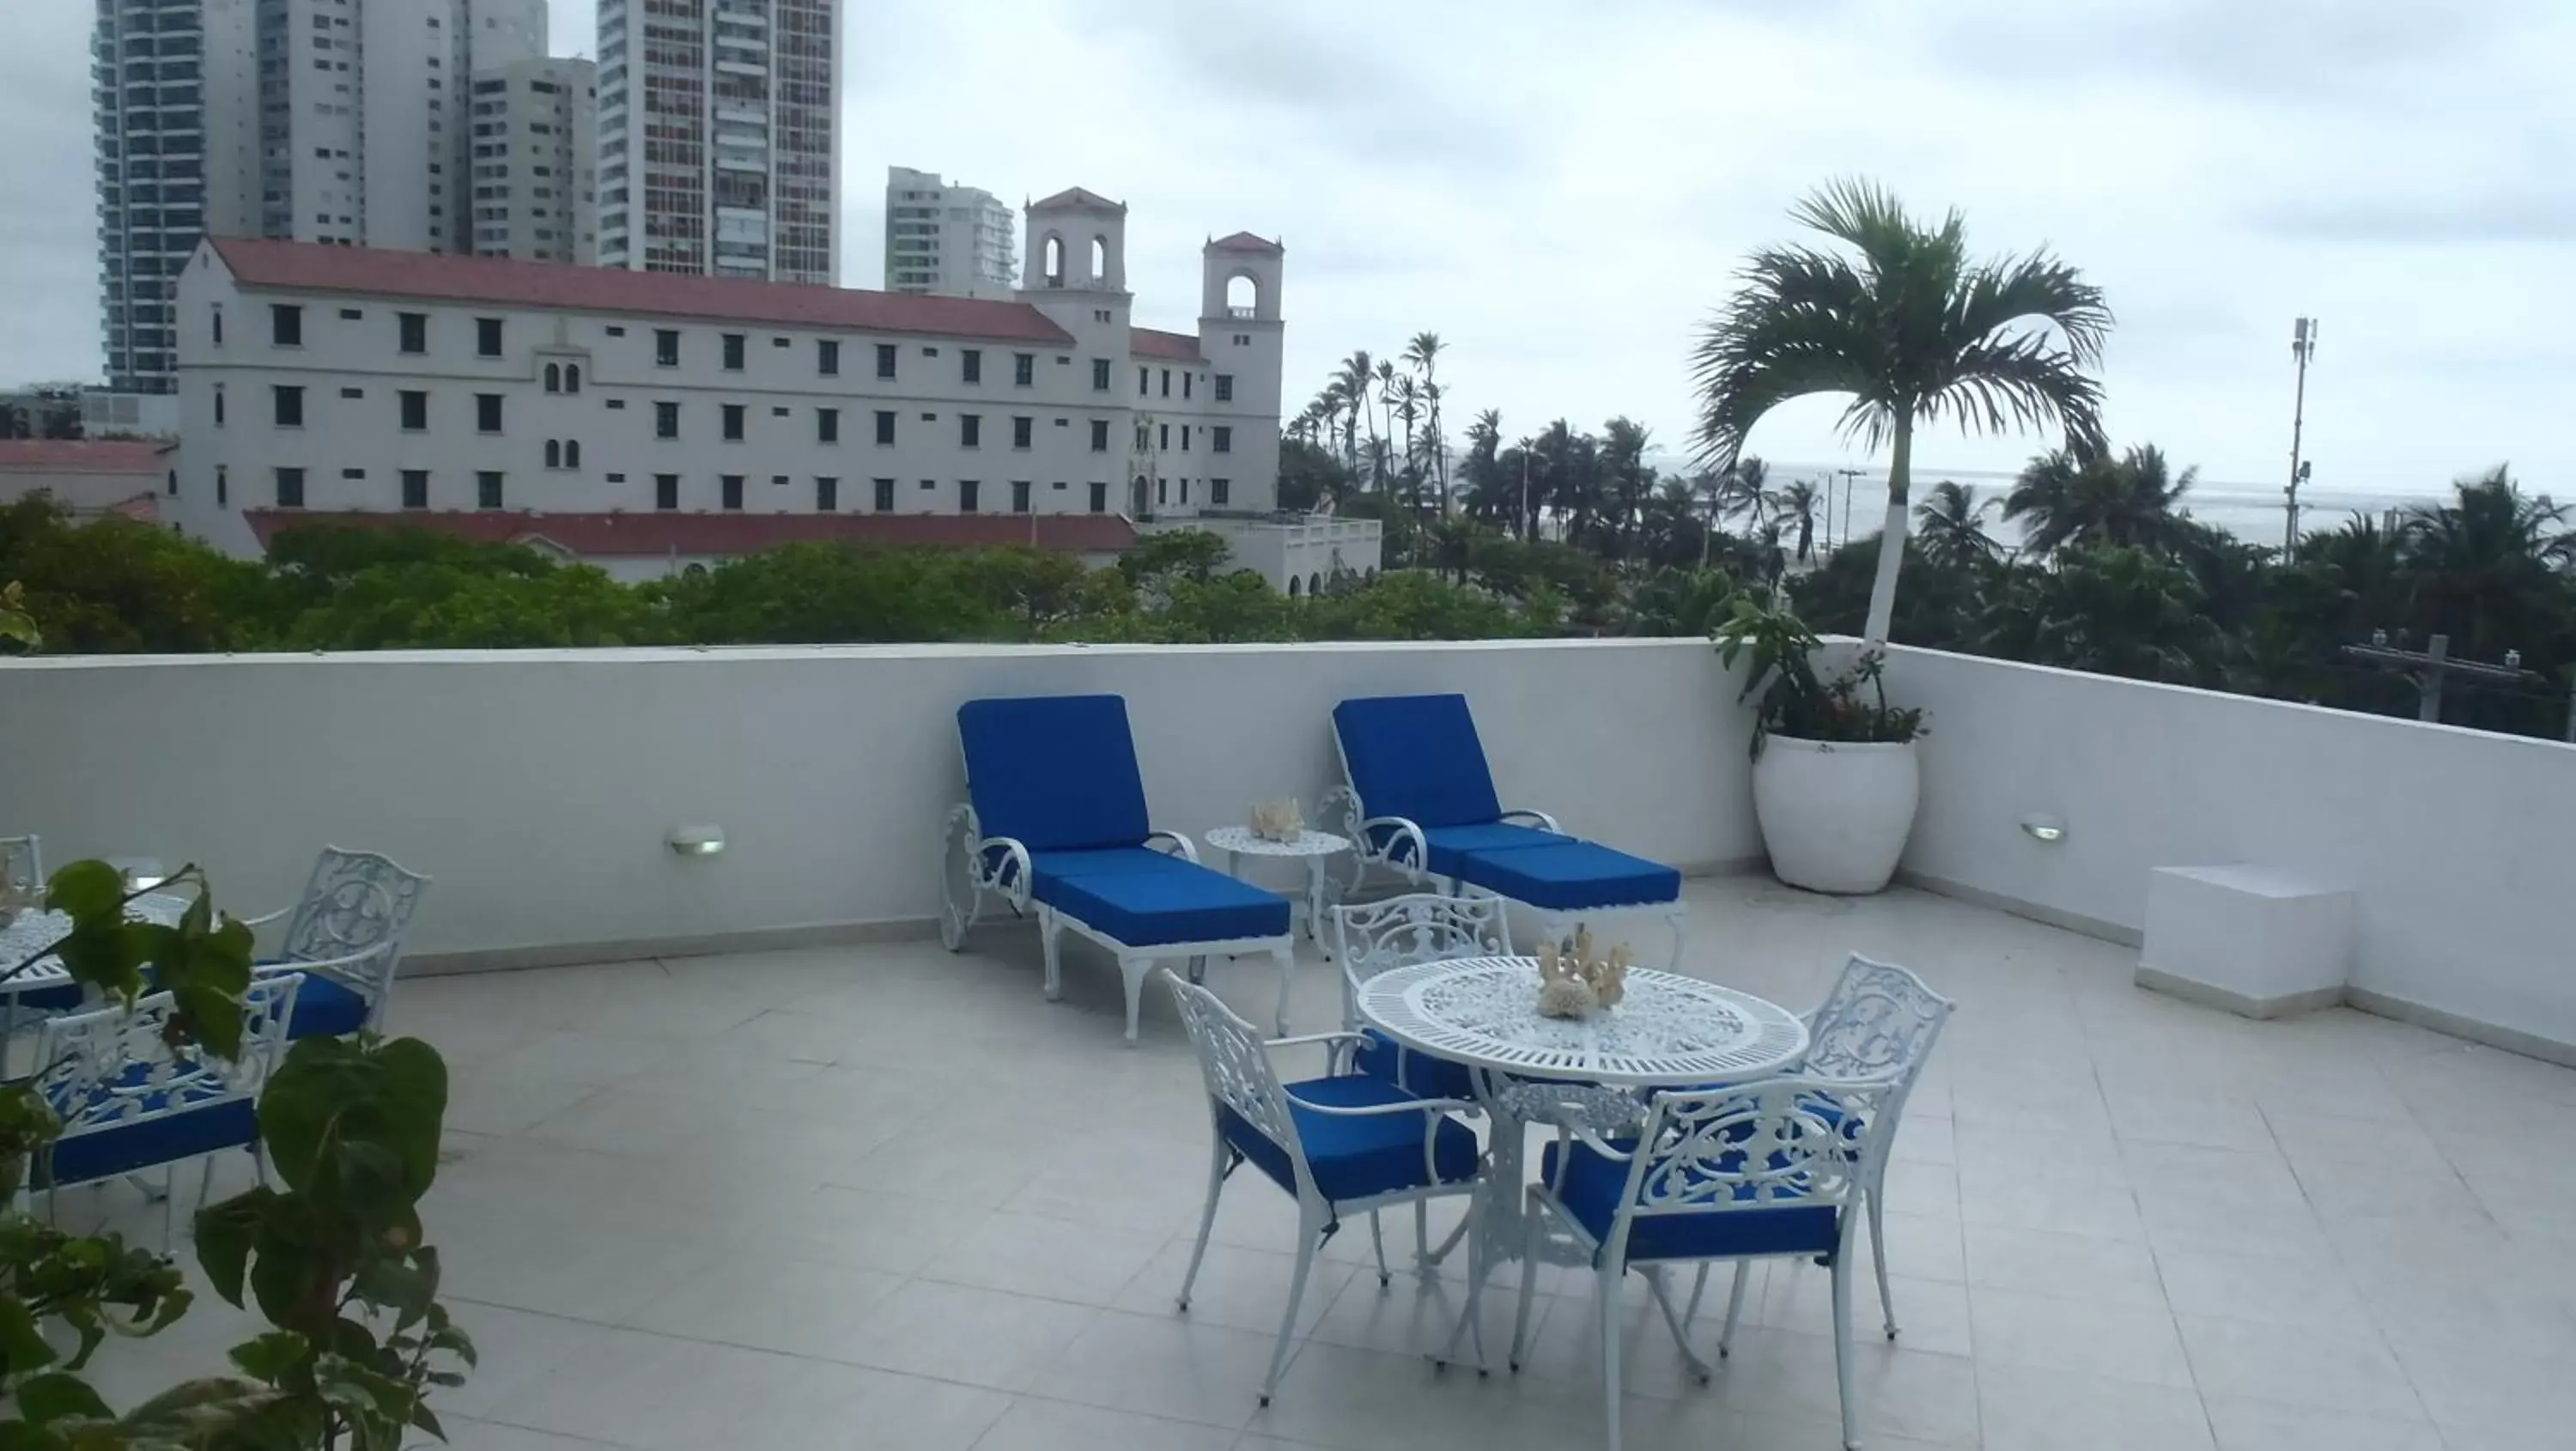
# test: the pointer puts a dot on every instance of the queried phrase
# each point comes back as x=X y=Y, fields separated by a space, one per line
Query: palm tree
x=2079 y=500
x=1952 y=524
x=1386 y=406
x=1355 y=380
x=1744 y=487
x=2487 y=564
x=1423 y=353
x=1407 y=408
x=1795 y=506
x=1916 y=332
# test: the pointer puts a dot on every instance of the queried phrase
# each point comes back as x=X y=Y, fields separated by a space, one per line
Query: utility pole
x=2429 y=668
x=1848 y=476
x=2303 y=345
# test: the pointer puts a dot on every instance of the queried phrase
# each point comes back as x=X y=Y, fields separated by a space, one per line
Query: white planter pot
x=1835 y=814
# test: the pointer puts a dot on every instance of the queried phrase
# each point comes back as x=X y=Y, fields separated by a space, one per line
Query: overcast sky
x=1563 y=190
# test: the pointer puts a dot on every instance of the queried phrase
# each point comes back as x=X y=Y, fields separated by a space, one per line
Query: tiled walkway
x=890 y=1197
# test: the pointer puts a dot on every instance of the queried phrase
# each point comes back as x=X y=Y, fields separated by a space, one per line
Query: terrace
x=745 y=1158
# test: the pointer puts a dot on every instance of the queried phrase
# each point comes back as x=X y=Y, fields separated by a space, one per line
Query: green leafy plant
x=1791 y=699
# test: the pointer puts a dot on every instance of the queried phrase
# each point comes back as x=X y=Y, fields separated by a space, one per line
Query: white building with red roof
x=402 y=386
x=87 y=476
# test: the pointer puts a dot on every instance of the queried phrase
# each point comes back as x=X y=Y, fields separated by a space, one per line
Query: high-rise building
x=534 y=153
x=719 y=137
x=340 y=121
x=954 y=241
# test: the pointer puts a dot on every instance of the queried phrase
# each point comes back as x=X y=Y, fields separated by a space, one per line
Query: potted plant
x=1834 y=776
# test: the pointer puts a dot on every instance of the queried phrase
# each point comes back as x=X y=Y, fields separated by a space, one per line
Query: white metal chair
x=1342 y=1144
x=346 y=935
x=1376 y=937
x=130 y=1101
x=22 y=860
x=1762 y=1170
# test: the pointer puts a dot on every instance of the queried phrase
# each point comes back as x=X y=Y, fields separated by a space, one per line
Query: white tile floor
x=889 y=1197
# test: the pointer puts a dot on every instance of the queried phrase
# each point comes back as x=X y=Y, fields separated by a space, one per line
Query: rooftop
x=658 y=533
x=752 y=1199
x=1146 y=342
x=80 y=456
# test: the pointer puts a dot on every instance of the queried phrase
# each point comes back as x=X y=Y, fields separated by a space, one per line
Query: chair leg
x=1133 y=970
x=1842 y=1352
x=1878 y=1252
x=206 y=1184
x=1734 y=1307
x=1699 y=1288
x=1609 y=1295
x=1422 y=1233
x=259 y=1162
x=1681 y=1329
x=1471 y=1320
x=1282 y=956
x=1207 y=1218
x=1309 y=1236
x=1681 y=936
x=1531 y=1213
x=169 y=1207
x=1377 y=1242
x=1054 y=954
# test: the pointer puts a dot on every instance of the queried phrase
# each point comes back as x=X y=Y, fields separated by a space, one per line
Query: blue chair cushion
x=1418 y=757
x=1570 y=876
x=1167 y=906
x=56 y=997
x=1049 y=870
x=105 y=1153
x=1057 y=772
x=1417 y=1073
x=1357 y=1158
x=1593 y=1186
x=326 y=1008
x=1450 y=844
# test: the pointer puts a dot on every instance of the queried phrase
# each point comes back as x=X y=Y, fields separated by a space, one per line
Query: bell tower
x=1077 y=241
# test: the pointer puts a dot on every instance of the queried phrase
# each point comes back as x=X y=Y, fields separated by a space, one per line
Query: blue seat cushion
x=1418 y=757
x=1357 y=1158
x=1417 y=1073
x=54 y=997
x=1450 y=844
x=105 y=1153
x=1049 y=870
x=326 y=1008
x=1056 y=772
x=1570 y=876
x=1593 y=1186
x=1161 y=907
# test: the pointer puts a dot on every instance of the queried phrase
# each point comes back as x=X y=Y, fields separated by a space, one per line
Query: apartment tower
x=535 y=149
x=719 y=137
x=944 y=240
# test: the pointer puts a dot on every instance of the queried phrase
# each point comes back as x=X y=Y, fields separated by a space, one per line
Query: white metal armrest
x=1188 y=852
x=1015 y=854
x=264 y=918
x=1405 y=830
x=1344 y=1050
x=1435 y=1111
x=363 y=969
x=1546 y=822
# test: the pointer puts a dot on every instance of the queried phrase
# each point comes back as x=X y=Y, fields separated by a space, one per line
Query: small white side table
x=2253 y=940
x=1313 y=847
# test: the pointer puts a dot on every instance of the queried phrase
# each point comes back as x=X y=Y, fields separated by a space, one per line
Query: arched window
x=1315 y=584
x=1051 y=260
x=1100 y=259
x=572 y=377
x=554 y=378
x=1293 y=583
x=1242 y=295
x=554 y=454
x=572 y=453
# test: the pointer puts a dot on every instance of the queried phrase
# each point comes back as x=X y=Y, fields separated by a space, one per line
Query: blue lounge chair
x=1422 y=802
x=1055 y=817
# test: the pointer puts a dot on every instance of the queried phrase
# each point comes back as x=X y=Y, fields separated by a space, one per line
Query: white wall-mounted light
x=2044 y=828
x=698 y=840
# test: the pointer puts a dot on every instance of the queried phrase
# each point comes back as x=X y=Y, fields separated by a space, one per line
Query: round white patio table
x=37 y=930
x=1313 y=847
x=1668 y=1031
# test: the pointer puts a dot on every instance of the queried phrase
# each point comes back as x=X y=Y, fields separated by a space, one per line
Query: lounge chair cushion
x=1165 y=907
x=1052 y=869
x=1449 y=844
x=1418 y=757
x=1058 y=772
x=1356 y=1157
x=1570 y=876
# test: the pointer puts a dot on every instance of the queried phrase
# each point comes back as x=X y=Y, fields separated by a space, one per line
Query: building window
x=1220 y=492
x=885 y=360
x=733 y=413
x=1185 y=491
x=1024 y=369
x=1100 y=375
x=1100 y=435
x=827 y=425
x=1223 y=440
x=970 y=430
x=487 y=338
x=970 y=363
x=732 y=484
x=967 y=490
x=733 y=352
x=219 y=325
x=1099 y=497
x=219 y=405
x=487 y=489
x=1165 y=437
x=289 y=405
x=666 y=491
x=554 y=377
x=1167 y=382
x=1225 y=387
x=170 y=484
x=411 y=331
x=290 y=488
x=666 y=347
x=827 y=494
x=223 y=485
x=415 y=488
x=885 y=425
x=1162 y=491
x=286 y=325
x=827 y=357
x=666 y=420
x=1020 y=428
x=884 y=491
x=1185 y=438
x=554 y=454
x=572 y=377
x=487 y=413
x=415 y=409
x=1019 y=496
x=1144 y=381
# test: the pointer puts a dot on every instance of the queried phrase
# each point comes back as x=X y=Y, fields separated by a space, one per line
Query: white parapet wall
x=2459 y=845
x=539 y=787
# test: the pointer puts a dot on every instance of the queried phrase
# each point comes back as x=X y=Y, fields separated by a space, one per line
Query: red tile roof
x=146 y=507
x=1146 y=342
x=700 y=535
x=80 y=456
x=1246 y=242
x=435 y=277
x=1084 y=198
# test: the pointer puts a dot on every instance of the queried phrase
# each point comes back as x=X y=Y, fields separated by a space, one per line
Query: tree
x=1357 y=377
x=1626 y=481
x=1386 y=407
x=1309 y=475
x=1423 y=354
x=1796 y=505
x=1408 y=410
x=1916 y=332
x=1952 y=526
x=2115 y=610
x=2077 y=499
x=2487 y=566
